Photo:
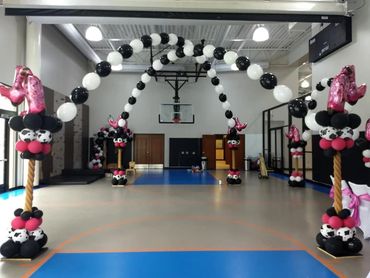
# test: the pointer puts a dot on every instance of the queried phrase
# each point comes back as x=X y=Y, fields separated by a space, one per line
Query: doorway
x=149 y=150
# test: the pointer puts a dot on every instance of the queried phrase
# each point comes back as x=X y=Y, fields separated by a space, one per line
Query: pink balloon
x=335 y=222
x=325 y=144
x=349 y=222
x=21 y=146
x=18 y=223
x=46 y=148
x=33 y=223
x=367 y=130
x=35 y=147
x=293 y=134
x=121 y=173
x=325 y=218
x=354 y=93
x=338 y=144
x=349 y=143
x=35 y=95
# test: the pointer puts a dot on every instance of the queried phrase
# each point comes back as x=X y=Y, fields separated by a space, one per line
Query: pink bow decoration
x=238 y=125
x=355 y=202
x=112 y=122
x=293 y=134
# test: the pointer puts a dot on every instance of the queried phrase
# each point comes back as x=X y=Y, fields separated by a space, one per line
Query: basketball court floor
x=175 y=223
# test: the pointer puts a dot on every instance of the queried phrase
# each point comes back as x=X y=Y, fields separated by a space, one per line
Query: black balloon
x=215 y=81
x=320 y=239
x=26 y=155
x=140 y=85
x=361 y=143
x=354 y=245
x=180 y=52
x=228 y=114
x=331 y=211
x=329 y=152
x=39 y=156
x=103 y=68
x=18 y=212
x=222 y=97
x=242 y=63
x=320 y=87
x=146 y=40
x=58 y=126
x=312 y=104
x=29 y=249
x=132 y=100
x=151 y=71
x=79 y=95
x=198 y=50
x=339 y=120
x=344 y=213
x=323 y=118
x=297 y=108
x=126 y=51
x=268 y=81
x=335 y=246
x=206 y=66
x=10 y=249
x=114 y=181
x=180 y=41
x=354 y=121
x=48 y=122
x=164 y=38
x=38 y=213
x=164 y=60
x=125 y=115
x=32 y=121
x=330 y=81
x=43 y=241
x=219 y=53
x=26 y=215
x=16 y=123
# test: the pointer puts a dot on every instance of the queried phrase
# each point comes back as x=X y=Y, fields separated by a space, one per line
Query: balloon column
x=366 y=153
x=336 y=129
x=296 y=147
x=35 y=128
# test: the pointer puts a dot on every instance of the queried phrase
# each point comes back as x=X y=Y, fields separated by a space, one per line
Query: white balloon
x=91 y=81
x=121 y=122
x=145 y=78
x=128 y=107
x=292 y=178
x=226 y=105
x=156 y=39
x=348 y=107
x=137 y=45
x=356 y=134
x=231 y=123
x=171 y=55
x=114 y=58
x=189 y=50
x=367 y=164
x=67 y=112
x=298 y=179
x=219 y=89
x=230 y=57
x=135 y=92
x=187 y=42
x=311 y=122
x=282 y=93
x=254 y=71
x=306 y=135
x=366 y=153
x=201 y=59
x=208 y=50
x=211 y=73
x=315 y=94
x=299 y=149
x=157 y=65
x=173 y=39
x=324 y=82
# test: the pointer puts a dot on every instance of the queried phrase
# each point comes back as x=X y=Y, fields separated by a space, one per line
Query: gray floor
x=259 y=215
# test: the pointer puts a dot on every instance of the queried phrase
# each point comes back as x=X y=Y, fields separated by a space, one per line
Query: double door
x=149 y=149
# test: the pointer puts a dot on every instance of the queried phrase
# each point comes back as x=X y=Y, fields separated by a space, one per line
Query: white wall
x=12 y=45
x=356 y=53
x=247 y=99
x=62 y=65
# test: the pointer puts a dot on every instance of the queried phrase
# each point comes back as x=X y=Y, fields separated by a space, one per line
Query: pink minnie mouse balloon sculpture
x=296 y=147
x=366 y=153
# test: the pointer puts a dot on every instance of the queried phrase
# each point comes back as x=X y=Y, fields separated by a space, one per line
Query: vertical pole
x=233 y=164
x=29 y=186
x=119 y=159
x=269 y=138
x=337 y=182
x=105 y=151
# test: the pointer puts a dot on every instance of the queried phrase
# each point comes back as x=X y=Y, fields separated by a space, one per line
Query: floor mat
x=175 y=177
x=185 y=264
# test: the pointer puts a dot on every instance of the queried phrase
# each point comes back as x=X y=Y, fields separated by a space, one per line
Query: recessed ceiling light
x=93 y=33
x=117 y=67
x=261 y=34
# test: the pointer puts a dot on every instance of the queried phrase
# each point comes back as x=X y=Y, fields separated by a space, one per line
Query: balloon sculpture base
x=20 y=259
x=118 y=185
x=340 y=256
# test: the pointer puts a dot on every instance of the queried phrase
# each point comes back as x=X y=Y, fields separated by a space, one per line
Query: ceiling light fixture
x=93 y=33
x=305 y=84
x=117 y=67
x=261 y=34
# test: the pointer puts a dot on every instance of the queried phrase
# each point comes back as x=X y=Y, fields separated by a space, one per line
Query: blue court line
x=185 y=264
x=309 y=184
x=175 y=177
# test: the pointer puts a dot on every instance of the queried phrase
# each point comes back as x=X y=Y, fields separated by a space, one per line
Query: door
x=149 y=149
x=209 y=150
x=4 y=139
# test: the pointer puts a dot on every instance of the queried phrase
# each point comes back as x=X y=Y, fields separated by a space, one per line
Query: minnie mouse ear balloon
x=67 y=112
